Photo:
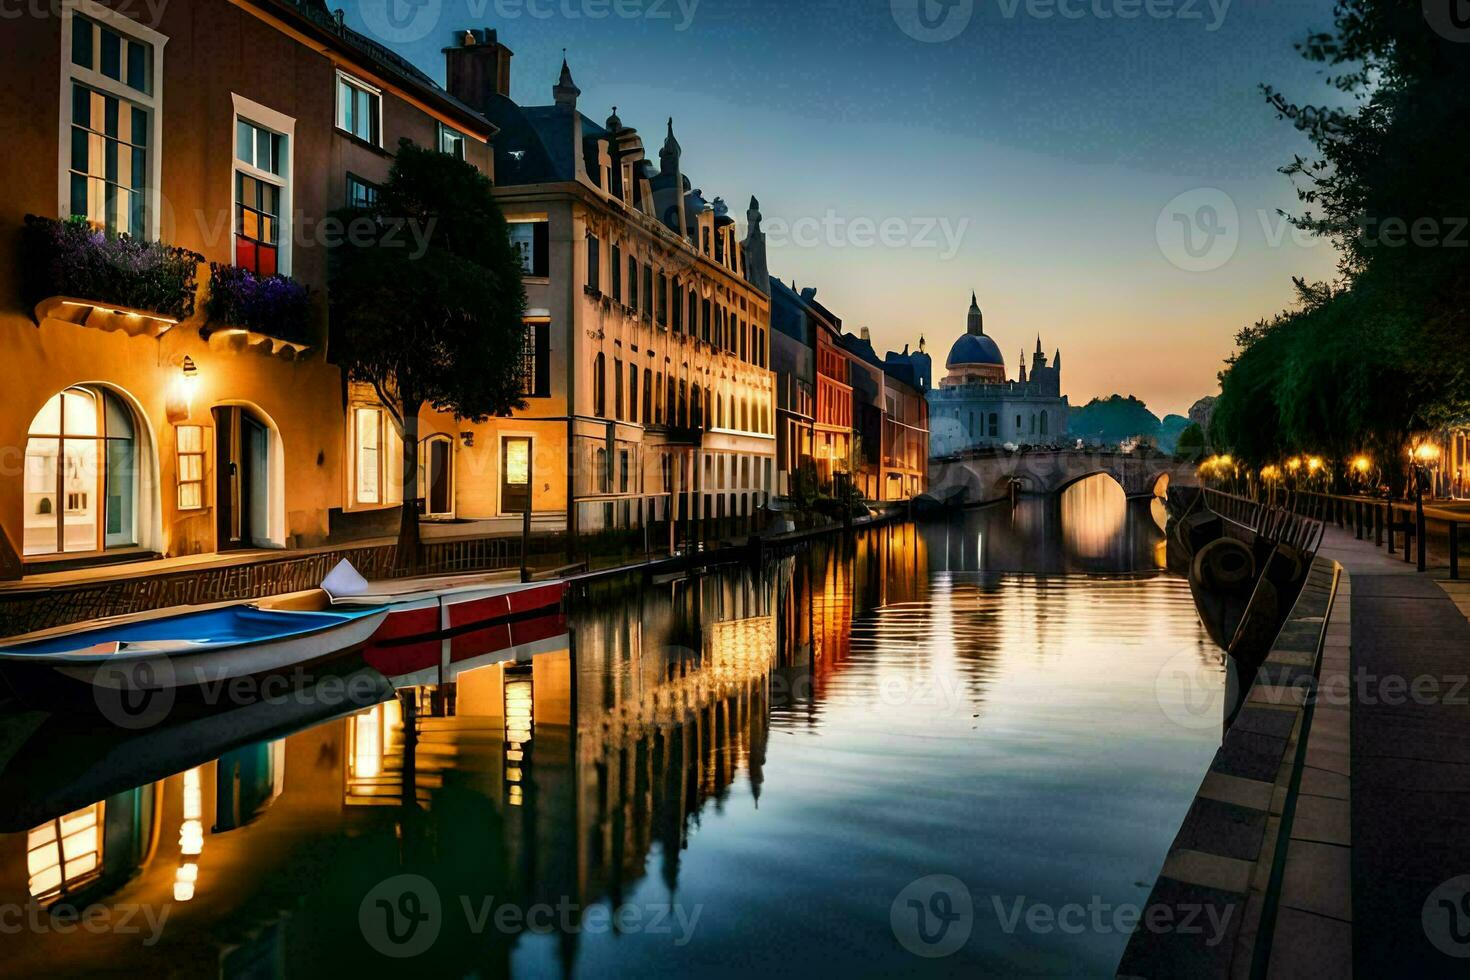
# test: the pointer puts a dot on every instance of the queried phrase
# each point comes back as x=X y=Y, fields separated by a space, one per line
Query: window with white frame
x=452 y=141
x=110 y=112
x=359 y=109
x=191 y=467
x=368 y=454
x=262 y=171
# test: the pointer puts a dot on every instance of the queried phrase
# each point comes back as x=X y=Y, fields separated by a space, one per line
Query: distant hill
x=1169 y=431
x=1114 y=419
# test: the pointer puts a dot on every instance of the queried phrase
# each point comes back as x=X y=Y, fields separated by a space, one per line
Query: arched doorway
x=436 y=476
x=248 y=465
x=88 y=476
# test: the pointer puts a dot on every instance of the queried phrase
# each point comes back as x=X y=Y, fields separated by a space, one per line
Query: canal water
x=948 y=749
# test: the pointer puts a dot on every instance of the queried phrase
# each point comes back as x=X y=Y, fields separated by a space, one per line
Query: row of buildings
x=667 y=373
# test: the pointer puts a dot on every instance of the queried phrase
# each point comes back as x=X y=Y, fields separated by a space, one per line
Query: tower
x=976 y=321
x=1023 y=367
x=565 y=91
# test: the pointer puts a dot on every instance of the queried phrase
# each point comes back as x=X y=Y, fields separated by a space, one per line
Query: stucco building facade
x=160 y=427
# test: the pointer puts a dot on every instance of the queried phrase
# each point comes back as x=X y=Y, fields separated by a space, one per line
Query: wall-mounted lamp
x=191 y=380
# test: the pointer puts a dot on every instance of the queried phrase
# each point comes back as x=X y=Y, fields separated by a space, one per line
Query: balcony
x=72 y=271
x=266 y=310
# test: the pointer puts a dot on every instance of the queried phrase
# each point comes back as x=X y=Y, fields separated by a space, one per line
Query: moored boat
x=438 y=620
x=179 y=648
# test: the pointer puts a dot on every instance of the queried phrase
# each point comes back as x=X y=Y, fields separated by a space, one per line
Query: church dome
x=973 y=348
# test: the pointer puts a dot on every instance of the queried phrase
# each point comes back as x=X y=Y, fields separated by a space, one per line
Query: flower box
x=277 y=308
x=73 y=265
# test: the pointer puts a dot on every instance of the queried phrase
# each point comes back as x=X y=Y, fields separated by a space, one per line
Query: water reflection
x=760 y=759
x=1090 y=527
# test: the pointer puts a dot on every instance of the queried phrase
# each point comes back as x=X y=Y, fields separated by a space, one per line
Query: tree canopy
x=427 y=303
x=1364 y=362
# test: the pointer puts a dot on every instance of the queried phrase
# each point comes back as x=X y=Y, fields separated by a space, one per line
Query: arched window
x=648 y=397
x=1043 y=423
x=684 y=403
x=671 y=411
x=696 y=410
x=632 y=393
x=82 y=471
x=599 y=385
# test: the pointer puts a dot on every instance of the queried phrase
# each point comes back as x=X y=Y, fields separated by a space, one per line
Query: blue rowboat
x=184 y=648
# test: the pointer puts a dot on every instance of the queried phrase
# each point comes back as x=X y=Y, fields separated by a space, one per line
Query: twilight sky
x=908 y=151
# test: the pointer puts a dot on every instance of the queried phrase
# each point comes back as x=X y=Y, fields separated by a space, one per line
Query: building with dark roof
x=650 y=314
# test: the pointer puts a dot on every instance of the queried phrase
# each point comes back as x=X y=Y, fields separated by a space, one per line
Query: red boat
x=437 y=621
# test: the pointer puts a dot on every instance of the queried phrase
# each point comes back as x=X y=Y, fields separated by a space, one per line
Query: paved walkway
x=1409 y=763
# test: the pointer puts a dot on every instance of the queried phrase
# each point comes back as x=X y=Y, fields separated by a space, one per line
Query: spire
x=1023 y=367
x=921 y=343
x=565 y=90
x=671 y=145
x=613 y=122
x=976 y=321
x=1038 y=343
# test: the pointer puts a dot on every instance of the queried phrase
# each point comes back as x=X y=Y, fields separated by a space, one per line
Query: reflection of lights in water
x=520 y=725
x=980 y=551
x=370 y=738
x=1094 y=511
x=64 y=853
x=191 y=836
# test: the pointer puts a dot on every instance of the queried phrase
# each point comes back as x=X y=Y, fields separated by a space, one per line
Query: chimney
x=478 y=69
x=865 y=334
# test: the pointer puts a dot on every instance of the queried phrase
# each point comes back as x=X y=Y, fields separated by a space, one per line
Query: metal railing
x=1269 y=520
x=1398 y=525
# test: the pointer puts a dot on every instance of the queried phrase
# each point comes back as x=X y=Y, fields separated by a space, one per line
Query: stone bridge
x=986 y=475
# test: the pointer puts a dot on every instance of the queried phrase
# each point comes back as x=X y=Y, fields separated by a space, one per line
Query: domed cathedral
x=977 y=406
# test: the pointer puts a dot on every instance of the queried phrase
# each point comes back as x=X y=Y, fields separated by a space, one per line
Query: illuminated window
x=191 y=467
x=65 y=854
x=368 y=432
x=82 y=447
x=113 y=114
x=359 y=110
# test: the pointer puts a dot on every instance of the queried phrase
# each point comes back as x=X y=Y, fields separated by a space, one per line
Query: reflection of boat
x=71 y=761
x=441 y=659
x=183 y=648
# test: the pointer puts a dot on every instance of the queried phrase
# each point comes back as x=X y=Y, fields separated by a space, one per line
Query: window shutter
x=540 y=249
x=543 y=359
